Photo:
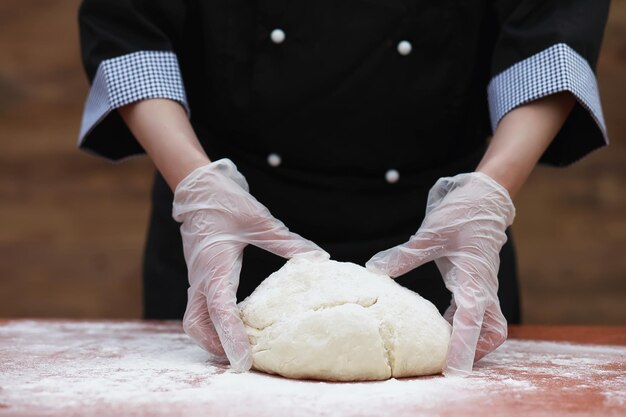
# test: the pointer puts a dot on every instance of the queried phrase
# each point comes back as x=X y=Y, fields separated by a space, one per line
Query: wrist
x=161 y=127
x=521 y=137
x=506 y=175
x=180 y=163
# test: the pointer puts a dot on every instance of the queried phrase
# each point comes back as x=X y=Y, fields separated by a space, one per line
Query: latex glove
x=219 y=218
x=463 y=232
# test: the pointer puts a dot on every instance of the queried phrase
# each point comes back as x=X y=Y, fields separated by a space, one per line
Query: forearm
x=522 y=137
x=163 y=130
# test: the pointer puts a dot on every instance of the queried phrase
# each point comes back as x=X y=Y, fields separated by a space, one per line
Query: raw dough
x=338 y=321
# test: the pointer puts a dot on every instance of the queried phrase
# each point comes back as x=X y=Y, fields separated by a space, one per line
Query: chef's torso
x=363 y=88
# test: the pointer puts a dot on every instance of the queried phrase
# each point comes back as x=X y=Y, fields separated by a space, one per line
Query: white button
x=277 y=36
x=404 y=48
x=274 y=160
x=392 y=176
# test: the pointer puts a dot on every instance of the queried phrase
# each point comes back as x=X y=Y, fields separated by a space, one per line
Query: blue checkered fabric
x=130 y=78
x=555 y=69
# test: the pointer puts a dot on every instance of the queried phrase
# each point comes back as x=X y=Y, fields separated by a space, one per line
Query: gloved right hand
x=219 y=218
x=463 y=232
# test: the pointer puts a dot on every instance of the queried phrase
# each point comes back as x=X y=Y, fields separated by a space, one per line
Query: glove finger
x=466 y=328
x=494 y=331
x=445 y=265
x=450 y=311
x=198 y=325
x=222 y=307
x=405 y=257
x=272 y=235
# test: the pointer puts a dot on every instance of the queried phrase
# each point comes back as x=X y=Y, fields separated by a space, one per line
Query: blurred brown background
x=72 y=226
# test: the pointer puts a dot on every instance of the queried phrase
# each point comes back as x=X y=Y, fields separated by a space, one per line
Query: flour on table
x=152 y=368
x=338 y=321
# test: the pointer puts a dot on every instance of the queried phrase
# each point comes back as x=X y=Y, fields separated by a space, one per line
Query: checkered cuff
x=129 y=78
x=555 y=69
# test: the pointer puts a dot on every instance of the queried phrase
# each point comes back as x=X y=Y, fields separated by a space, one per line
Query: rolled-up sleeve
x=128 y=50
x=547 y=47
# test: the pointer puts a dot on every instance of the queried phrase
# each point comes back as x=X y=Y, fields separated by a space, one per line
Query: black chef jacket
x=341 y=114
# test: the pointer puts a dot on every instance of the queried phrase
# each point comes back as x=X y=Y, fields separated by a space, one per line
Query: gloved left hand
x=463 y=232
x=219 y=218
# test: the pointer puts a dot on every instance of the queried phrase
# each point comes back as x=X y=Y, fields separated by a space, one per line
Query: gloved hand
x=219 y=218
x=463 y=232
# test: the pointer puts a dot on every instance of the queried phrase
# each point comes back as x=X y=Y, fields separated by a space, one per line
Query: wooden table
x=135 y=368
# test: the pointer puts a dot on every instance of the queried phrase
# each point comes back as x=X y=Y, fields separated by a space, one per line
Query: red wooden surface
x=66 y=368
x=601 y=335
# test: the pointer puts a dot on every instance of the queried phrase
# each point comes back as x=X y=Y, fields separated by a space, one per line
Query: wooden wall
x=72 y=226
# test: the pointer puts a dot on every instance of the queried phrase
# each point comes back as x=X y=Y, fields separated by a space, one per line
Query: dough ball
x=338 y=321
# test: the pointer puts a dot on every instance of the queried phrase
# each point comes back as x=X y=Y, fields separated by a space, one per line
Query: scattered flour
x=137 y=368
